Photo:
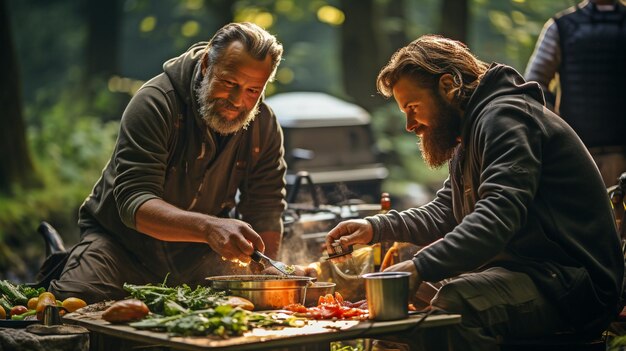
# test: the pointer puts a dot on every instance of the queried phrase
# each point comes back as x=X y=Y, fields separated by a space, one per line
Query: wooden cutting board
x=314 y=332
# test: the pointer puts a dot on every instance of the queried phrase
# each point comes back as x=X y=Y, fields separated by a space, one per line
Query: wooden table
x=314 y=335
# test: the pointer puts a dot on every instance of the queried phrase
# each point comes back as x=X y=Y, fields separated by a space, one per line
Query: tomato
x=19 y=309
x=315 y=313
x=296 y=307
x=339 y=298
x=353 y=312
x=3 y=313
x=330 y=311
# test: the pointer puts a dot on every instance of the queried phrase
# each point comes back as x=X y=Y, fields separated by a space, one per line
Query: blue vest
x=593 y=73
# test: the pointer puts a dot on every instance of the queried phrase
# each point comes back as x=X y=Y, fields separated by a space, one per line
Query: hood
x=499 y=80
x=183 y=71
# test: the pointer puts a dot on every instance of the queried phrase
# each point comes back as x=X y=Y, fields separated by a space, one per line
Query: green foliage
x=159 y=298
x=506 y=31
x=70 y=140
x=70 y=146
x=198 y=312
x=71 y=143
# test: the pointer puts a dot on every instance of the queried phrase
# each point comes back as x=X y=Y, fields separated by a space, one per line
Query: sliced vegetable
x=13 y=293
x=20 y=317
x=330 y=307
x=5 y=304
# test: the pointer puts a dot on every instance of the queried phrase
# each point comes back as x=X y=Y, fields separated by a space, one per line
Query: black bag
x=56 y=256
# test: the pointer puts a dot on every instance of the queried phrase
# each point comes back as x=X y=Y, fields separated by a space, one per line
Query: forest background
x=70 y=67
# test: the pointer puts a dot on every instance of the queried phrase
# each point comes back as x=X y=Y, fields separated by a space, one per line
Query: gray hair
x=256 y=41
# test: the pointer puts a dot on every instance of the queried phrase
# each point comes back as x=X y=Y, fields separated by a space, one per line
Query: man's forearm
x=166 y=222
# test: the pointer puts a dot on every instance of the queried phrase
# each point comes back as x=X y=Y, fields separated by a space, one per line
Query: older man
x=189 y=140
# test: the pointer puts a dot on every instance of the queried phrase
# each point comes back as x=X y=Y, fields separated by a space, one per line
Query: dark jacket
x=165 y=151
x=523 y=193
x=592 y=73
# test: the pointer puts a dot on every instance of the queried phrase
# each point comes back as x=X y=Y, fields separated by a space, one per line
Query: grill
x=307 y=223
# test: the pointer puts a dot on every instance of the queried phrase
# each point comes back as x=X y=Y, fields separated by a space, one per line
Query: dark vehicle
x=332 y=140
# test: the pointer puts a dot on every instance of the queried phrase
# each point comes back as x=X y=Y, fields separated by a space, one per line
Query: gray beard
x=209 y=111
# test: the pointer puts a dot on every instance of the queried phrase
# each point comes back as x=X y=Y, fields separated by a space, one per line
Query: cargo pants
x=98 y=267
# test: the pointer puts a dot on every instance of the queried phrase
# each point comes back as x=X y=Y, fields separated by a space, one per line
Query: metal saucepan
x=266 y=292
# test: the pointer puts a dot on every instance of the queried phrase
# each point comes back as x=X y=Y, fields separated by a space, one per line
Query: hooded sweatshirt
x=523 y=193
x=165 y=150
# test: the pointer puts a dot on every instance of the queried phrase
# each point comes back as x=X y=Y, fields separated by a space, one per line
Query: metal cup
x=387 y=295
x=51 y=315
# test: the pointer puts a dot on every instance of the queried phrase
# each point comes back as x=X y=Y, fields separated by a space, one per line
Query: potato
x=237 y=301
x=126 y=311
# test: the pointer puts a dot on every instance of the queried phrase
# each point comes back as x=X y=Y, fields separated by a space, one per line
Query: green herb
x=198 y=312
x=221 y=321
x=290 y=269
x=30 y=292
x=165 y=300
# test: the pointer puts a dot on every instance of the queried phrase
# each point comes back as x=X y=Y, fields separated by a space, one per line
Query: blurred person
x=583 y=49
x=189 y=139
x=521 y=233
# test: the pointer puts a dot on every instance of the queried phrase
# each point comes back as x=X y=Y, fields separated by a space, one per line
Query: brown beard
x=440 y=138
x=210 y=111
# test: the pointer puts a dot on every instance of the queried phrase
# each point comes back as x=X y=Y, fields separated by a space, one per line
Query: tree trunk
x=221 y=13
x=16 y=167
x=103 y=26
x=454 y=19
x=361 y=52
x=396 y=27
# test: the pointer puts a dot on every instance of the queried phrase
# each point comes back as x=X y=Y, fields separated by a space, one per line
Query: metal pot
x=266 y=292
x=317 y=289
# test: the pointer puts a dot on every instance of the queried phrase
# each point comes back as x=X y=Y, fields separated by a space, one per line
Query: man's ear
x=446 y=87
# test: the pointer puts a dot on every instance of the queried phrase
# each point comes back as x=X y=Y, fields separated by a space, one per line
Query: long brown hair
x=428 y=58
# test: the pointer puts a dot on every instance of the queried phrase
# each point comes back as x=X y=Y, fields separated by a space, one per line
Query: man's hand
x=414 y=280
x=350 y=232
x=233 y=239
